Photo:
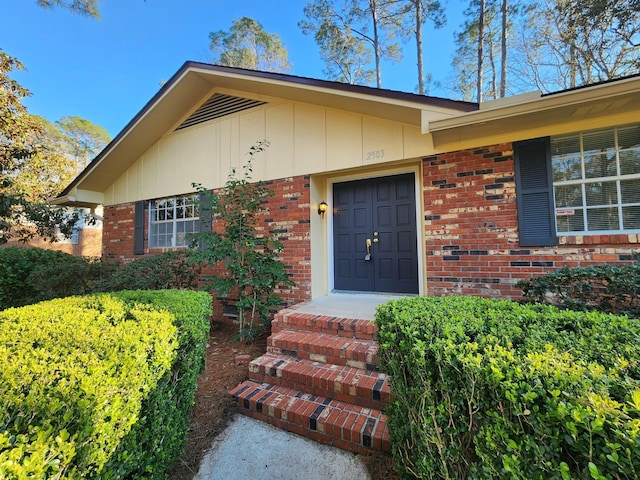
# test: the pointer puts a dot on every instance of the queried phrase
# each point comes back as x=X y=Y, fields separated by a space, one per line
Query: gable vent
x=219 y=106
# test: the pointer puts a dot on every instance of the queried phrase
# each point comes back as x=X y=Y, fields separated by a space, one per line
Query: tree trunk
x=480 y=48
x=503 y=53
x=494 y=73
x=418 y=7
x=373 y=5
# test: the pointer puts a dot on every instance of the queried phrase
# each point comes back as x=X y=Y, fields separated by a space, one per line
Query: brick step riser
x=349 y=427
x=326 y=349
x=363 y=358
x=340 y=327
x=346 y=384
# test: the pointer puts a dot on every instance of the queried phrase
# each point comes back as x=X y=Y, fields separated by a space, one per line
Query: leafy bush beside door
x=249 y=268
x=494 y=389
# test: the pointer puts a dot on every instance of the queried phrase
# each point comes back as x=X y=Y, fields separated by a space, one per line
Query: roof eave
x=203 y=78
x=548 y=102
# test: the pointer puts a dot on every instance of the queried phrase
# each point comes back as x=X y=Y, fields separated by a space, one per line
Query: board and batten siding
x=304 y=139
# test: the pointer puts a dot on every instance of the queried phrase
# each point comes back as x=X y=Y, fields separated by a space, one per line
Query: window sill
x=600 y=239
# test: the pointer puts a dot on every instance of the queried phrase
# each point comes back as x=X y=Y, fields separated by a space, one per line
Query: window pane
x=562 y=146
x=630 y=191
x=598 y=142
x=601 y=193
x=568 y=196
x=600 y=165
x=631 y=217
x=566 y=168
x=603 y=219
x=192 y=226
x=630 y=162
x=570 y=221
x=565 y=158
x=629 y=137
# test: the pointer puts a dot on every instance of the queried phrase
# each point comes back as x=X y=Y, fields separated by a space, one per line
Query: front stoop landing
x=320 y=379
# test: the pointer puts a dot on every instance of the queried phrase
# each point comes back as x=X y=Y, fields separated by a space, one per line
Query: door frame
x=417 y=171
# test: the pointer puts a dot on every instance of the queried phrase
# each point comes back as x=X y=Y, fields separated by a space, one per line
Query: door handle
x=367 y=242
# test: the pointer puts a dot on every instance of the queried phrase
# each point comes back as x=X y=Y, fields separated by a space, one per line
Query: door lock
x=375 y=237
x=367 y=257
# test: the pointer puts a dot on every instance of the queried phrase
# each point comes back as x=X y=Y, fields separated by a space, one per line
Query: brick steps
x=347 y=384
x=331 y=422
x=319 y=379
x=320 y=347
x=340 y=327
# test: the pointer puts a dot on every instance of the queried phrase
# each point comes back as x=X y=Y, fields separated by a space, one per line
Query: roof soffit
x=144 y=130
x=543 y=115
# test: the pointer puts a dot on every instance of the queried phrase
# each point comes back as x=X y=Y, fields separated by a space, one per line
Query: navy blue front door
x=375 y=236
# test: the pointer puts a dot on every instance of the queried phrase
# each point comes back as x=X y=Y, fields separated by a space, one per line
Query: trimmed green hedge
x=99 y=386
x=173 y=269
x=30 y=275
x=495 y=389
x=605 y=288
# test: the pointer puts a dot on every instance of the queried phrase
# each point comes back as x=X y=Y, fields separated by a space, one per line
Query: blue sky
x=105 y=70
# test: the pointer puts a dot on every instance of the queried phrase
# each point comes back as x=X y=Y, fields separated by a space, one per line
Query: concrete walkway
x=253 y=450
x=347 y=305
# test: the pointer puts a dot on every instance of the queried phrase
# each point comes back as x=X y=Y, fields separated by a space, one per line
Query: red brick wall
x=288 y=218
x=117 y=233
x=471 y=229
x=89 y=244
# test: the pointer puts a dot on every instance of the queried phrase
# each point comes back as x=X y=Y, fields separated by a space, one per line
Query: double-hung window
x=578 y=184
x=596 y=181
x=172 y=220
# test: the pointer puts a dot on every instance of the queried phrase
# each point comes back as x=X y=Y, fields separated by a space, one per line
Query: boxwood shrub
x=495 y=389
x=99 y=386
x=31 y=275
x=173 y=269
x=605 y=288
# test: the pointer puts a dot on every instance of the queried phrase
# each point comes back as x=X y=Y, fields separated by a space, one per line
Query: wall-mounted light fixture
x=322 y=208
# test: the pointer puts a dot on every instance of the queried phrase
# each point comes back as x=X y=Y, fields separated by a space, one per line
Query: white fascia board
x=79 y=198
x=550 y=102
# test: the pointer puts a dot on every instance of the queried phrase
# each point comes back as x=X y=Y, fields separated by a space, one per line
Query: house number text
x=375 y=154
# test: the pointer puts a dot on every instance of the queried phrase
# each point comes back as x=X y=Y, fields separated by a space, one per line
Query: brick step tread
x=309 y=322
x=349 y=427
x=340 y=382
x=318 y=347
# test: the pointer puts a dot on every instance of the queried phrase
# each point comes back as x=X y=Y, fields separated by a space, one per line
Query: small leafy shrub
x=30 y=275
x=250 y=268
x=606 y=288
x=495 y=389
x=168 y=270
x=96 y=386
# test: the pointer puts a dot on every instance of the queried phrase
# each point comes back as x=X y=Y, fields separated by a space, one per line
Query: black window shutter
x=138 y=228
x=205 y=215
x=534 y=191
